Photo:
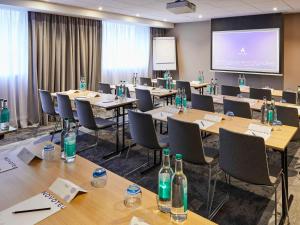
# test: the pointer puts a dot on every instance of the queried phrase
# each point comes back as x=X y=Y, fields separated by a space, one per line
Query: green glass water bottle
x=69 y=143
x=5 y=116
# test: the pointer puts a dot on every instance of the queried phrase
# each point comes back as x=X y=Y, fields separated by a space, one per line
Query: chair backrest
x=244 y=157
x=142 y=129
x=85 y=114
x=161 y=82
x=144 y=99
x=289 y=97
x=186 y=86
x=259 y=93
x=47 y=102
x=230 y=90
x=185 y=139
x=203 y=102
x=146 y=81
x=64 y=106
x=288 y=116
x=127 y=91
x=240 y=109
x=104 y=88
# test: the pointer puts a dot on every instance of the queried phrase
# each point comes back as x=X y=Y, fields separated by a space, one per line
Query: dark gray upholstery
x=258 y=93
x=87 y=119
x=240 y=109
x=145 y=81
x=203 y=102
x=186 y=86
x=104 y=88
x=244 y=157
x=144 y=99
x=65 y=107
x=289 y=97
x=142 y=130
x=230 y=90
x=289 y=116
x=185 y=139
x=47 y=103
x=161 y=82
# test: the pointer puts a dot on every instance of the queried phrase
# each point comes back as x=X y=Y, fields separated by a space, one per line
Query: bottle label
x=164 y=190
x=184 y=103
x=70 y=147
x=270 y=116
x=185 y=198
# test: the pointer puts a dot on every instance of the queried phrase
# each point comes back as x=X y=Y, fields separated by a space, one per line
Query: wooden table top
x=98 y=206
x=279 y=139
x=275 y=93
x=194 y=84
x=106 y=101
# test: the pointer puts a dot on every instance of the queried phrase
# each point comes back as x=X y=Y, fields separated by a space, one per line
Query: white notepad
x=6 y=164
x=214 y=118
x=259 y=130
x=162 y=115
x=204 y=124
x=42 y=200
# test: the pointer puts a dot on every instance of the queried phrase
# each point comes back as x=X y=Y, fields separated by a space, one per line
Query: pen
x=31 y=210
x=202 y=123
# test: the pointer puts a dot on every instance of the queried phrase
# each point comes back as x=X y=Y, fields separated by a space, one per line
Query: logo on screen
x=243 y=51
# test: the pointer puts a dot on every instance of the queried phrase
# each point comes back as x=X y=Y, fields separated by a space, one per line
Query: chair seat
x=163 y=141
x=211 y=154
x=103 y=123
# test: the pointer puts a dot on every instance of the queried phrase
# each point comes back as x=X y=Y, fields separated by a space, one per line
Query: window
x=125 y=50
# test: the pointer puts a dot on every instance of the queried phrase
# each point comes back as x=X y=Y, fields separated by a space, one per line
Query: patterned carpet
x=248 y=204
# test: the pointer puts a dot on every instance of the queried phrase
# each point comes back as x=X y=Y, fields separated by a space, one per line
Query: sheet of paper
x=6 y=164
x=204 y=124
x=26 y=156
x=259 y=134
x=162 y=115
x=66 y=189
x=42 y=200
x=214 y=118
x=172 y=110
x=260 y=128
x=137 y=221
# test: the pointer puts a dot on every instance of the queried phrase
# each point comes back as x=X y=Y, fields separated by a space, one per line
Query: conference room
x=149 y=112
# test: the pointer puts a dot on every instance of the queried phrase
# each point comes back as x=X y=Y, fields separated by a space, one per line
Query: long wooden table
x=274 y=92
x=99 y=206
x=108 y=102
x=4 y=132
x=279 y=139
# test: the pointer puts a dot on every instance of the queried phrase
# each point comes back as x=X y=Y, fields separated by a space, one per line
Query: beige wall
x=193 y=49
x=291 y=51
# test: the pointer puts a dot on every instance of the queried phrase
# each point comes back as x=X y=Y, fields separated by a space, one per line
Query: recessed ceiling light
x=275 y=9
x=137 y=15
x=200 y=16
x=100 y=8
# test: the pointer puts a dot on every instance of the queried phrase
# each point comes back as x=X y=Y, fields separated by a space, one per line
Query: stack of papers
x=204 y=124
x=259 y=130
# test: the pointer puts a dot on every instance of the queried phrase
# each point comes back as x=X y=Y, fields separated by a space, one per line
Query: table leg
x=1 y=136
x=123 y=128
x=167 y=100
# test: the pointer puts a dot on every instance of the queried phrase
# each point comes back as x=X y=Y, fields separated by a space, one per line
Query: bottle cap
x=178 y=156
x=133 y=189
x=99 y=172
x=166 y=151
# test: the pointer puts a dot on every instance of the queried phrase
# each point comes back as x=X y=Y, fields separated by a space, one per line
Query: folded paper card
x=66 y=189
x=6 y=164
x=212 y=117
x=204 y=124
x=137 y=221
x=27 y=156
x=39 y=201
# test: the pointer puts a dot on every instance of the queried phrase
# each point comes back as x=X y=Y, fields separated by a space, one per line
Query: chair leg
x=286 y=197
x=208 y=190
x=55 y=128
x=129 y=149
x=275 y=191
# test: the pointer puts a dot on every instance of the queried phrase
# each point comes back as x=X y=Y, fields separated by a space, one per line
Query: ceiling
x=206 y=9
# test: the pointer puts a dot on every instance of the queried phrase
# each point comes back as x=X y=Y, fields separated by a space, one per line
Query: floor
x=248 y=204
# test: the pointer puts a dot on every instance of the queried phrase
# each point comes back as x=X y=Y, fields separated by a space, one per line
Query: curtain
x=125 y=50
x=155 y=32
x=61 y=50
x=14 y=63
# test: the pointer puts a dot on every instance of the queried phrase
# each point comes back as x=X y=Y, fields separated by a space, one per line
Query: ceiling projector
x=181 y=6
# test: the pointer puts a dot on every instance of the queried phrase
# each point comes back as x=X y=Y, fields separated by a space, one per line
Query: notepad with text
x=259 y=130
x=204 y=124
x=6 y=164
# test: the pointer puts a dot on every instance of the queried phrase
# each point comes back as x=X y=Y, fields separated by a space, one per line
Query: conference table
x=255 y=104
x=107 y=102
x=278 y=141
x=4 y=132
x=97 y=206
x=274 y=92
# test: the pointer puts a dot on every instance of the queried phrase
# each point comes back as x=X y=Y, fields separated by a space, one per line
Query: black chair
x=246 y=160
x=258 y=93
x=65 y=108
x=203 y=102
x=144 y=100
x=146 y=81
x=230 y=90
x=186 y=86
x=49 y=108
x=185 y=139
x=104 y=88
x=240 y=109
x=161 y=83
x=86 y=119
x=143 y=133
x=289 y=97
x=289 y=116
